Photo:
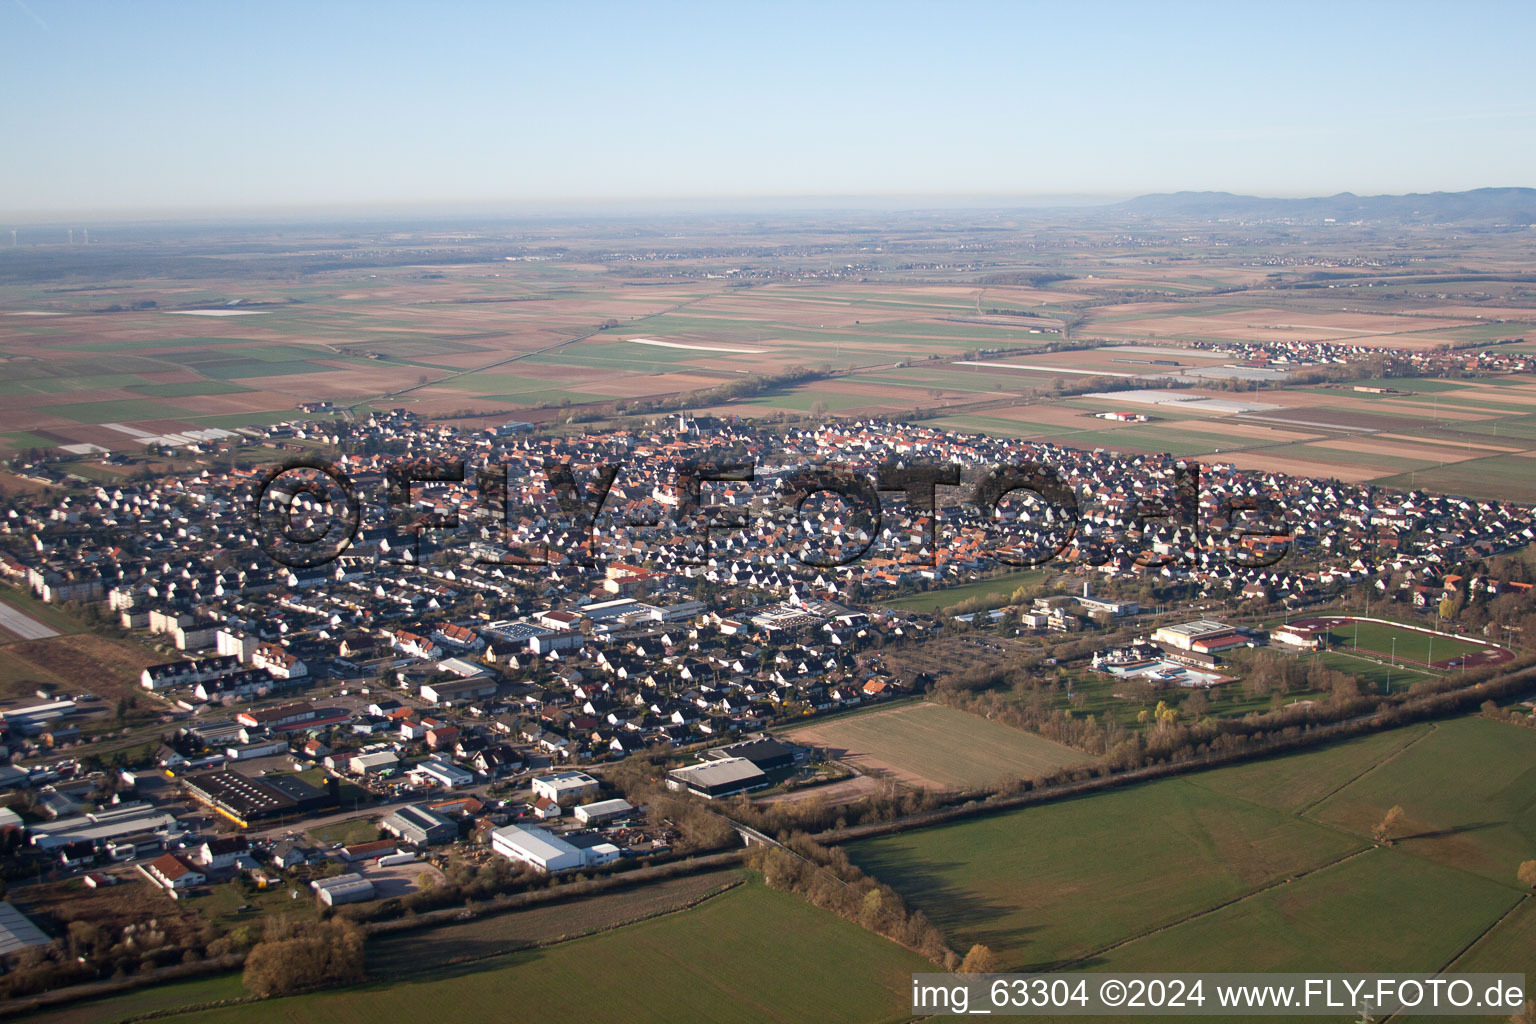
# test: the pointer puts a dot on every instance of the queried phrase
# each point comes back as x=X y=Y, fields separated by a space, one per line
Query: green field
x=1055 y=882
x=935 y=746
x=1469 y=794
x=353 y=830
x=1386 y=640
x=1498 y=477
x=750 y=954
x=1254 y=867
x=1366 y=914
x=1000 y=587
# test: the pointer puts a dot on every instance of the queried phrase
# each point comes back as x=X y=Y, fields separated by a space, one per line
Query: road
x=24 y=625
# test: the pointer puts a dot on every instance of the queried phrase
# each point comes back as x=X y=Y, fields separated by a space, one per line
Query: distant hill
x=1512 y=206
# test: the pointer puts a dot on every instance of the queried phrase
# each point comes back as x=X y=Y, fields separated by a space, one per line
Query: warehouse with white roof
x=542 y=849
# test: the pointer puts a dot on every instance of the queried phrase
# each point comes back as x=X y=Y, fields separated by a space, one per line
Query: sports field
x=936 y=747
x=750 y=954
x=1406 y=644
x=1265 y=866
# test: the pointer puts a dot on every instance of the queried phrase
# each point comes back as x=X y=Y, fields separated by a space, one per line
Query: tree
x=1388 y=826
x=979 y=960
x=1527 y=874
x=818 y=409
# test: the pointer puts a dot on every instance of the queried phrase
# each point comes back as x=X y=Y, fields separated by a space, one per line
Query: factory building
x=420 y=826
x=712 y=779
x=543 y=850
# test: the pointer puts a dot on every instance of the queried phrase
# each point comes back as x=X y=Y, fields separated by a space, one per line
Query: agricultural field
x=1267 y=865
x=711 y=962
x=936 y=747
x=494 y=934
x=70 y=663
x=1142 y=858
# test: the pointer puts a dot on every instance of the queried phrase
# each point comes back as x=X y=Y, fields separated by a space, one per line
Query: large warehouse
x=243 y=799
x=711 y=779
x=764 y=751
x=420 y=826
x=544 y=850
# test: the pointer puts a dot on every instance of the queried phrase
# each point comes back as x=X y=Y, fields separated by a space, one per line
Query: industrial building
x=767 y=753
x=17 y=932
x=443 y=773
x=564 y=787
x=603 y=810
x=371 y=764
x=243 y=799
x=348 y=888
x=712 y=779
x=420 y=826
x=459 y=689
x=543 y=850
x=37 y=717
x=105 y=827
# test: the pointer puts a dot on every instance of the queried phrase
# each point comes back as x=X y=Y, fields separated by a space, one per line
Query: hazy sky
x=220 y=106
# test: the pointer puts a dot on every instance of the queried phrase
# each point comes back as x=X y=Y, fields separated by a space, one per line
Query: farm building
x=564 y=787
x=420 y=826
x=603 y=810
x=711 y=779
x=544 y=850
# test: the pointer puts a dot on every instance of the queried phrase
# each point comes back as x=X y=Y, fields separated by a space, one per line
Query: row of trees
x=829 y=880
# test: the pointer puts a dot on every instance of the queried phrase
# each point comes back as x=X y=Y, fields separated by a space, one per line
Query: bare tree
x=1386 y=828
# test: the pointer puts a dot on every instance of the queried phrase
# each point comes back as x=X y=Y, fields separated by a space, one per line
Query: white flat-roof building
x=564 y=787
x=1185 y=634
x=544 y=850
x=449 y=776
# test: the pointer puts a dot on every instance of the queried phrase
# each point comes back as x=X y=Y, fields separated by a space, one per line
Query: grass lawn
x=1372 y=676
x=1058 y=881
x=353 y=830
x=750 y=955
x=935 y=746
x=999 y=587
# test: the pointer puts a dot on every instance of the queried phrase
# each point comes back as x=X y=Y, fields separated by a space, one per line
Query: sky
x=197 y=108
